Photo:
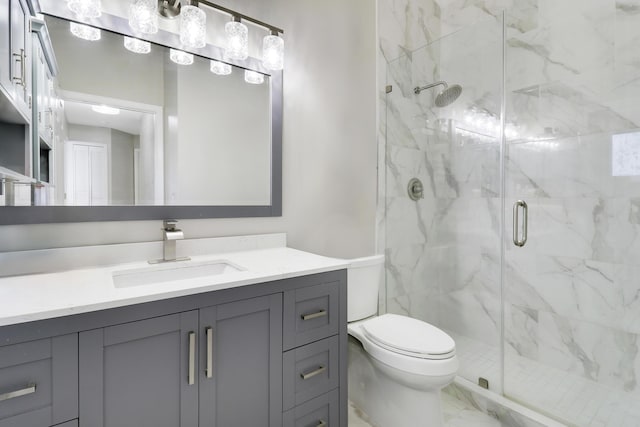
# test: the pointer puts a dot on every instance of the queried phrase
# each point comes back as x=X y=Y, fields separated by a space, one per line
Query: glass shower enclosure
x=525 y=244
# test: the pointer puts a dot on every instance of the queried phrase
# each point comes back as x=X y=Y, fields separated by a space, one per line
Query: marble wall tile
x=476 y=315
x=521 y=332
x=406 y=25
x=605 y=355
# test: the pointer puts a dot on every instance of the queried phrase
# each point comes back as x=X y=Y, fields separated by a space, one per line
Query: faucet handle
x=169 y=224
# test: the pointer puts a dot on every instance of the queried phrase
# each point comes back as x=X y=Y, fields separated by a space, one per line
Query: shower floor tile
x=571 y=398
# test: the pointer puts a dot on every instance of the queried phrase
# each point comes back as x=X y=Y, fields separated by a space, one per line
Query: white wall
x=329 y=163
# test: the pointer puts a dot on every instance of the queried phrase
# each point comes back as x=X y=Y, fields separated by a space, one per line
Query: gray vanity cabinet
x=241 y=363
x=39 y=382
x=140 y=374
x=266 y=355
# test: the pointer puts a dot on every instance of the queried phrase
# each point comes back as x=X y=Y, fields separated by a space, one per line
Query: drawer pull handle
x=209 y=371
x=191 y=374
x=314 y=315
x=319 y=370
x=321 y=423
x=31 y=388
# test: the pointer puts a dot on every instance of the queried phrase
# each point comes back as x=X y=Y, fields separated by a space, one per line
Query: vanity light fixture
x=85 y=8
x=220 y=68
x=143 y=16
x=105 y=109
x=253 y=78
x=193 y=27
x=84 y=32
x=180 y=57
x=273 y=52
x=143 y=19
x=137 y=45
x=237 y=40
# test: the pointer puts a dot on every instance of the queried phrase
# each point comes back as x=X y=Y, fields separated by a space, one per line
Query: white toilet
x=398 y=365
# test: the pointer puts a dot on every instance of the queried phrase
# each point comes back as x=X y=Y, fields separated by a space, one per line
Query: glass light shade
x=136 y=45
x=180 y=57
x=220 y=68
x=237 y=40
x=85 y=8
x=84 y=31
x=143 y=16
x=193 y=27
x=253 y=77
x=273 y=52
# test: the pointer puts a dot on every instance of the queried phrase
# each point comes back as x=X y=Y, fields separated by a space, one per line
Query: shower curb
x=508 y=412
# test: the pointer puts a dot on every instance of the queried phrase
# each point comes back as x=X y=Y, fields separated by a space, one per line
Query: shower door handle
x=517 y=240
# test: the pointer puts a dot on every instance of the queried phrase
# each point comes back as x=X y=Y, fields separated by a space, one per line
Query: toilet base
x=387 y=402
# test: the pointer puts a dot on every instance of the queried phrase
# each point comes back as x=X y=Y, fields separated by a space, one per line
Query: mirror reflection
x=142 y=124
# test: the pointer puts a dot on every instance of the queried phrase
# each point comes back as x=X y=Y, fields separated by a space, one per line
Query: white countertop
x=26 y=298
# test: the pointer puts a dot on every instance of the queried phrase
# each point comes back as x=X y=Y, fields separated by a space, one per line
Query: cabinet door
x=140 y=374
x=20 y=52
x=5 y=47
x=241 y=354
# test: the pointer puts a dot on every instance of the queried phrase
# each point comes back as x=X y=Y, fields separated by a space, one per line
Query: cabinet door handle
x=209 y=370
x=191 y=375
x=20 y=57
x=311 y=374
x=30 y=389
x=314 y=315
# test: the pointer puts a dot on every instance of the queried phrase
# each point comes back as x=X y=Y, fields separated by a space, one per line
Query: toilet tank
x=364 y=277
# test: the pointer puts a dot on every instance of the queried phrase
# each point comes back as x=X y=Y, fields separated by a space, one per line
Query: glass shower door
x=572 y=291
x=443 y=249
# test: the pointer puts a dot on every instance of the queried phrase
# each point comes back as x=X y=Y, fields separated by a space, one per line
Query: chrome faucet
x=170 y=235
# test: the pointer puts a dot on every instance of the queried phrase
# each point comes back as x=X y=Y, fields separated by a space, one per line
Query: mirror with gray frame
x=140 y=136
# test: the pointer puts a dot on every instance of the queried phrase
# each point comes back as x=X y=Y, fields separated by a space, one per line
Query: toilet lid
x=408 y=336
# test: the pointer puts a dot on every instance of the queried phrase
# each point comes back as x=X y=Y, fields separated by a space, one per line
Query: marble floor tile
x=456 y=414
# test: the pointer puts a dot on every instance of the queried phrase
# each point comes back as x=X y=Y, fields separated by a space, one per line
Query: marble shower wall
x=443 y=251
x=572 y=295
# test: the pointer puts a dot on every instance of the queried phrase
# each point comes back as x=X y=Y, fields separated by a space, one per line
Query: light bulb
x=220 y=68
x=143 y=16
x=237 y=40
x=180 y=57
x=136 y=45
x=273 y=52
x=253 y=78
x=85 y=8
x=84 y=32
x=193 y=27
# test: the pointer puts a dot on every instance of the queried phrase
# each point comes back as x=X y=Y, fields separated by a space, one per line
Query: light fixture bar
x=240 y=16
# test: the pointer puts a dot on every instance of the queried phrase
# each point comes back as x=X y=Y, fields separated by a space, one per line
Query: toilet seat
x=431 y=360
x=410 y=337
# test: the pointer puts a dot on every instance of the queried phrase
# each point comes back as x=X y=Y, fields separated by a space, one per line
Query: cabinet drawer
x=322 y=411
x=310 y=314
x=310 y=371
x=39 y=382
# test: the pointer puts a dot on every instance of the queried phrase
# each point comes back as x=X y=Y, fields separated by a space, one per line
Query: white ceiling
x=78 y=113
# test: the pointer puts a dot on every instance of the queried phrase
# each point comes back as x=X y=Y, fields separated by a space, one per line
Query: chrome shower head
x=446 y=97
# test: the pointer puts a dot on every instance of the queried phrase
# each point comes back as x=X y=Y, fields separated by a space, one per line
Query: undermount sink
x=171 y=272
